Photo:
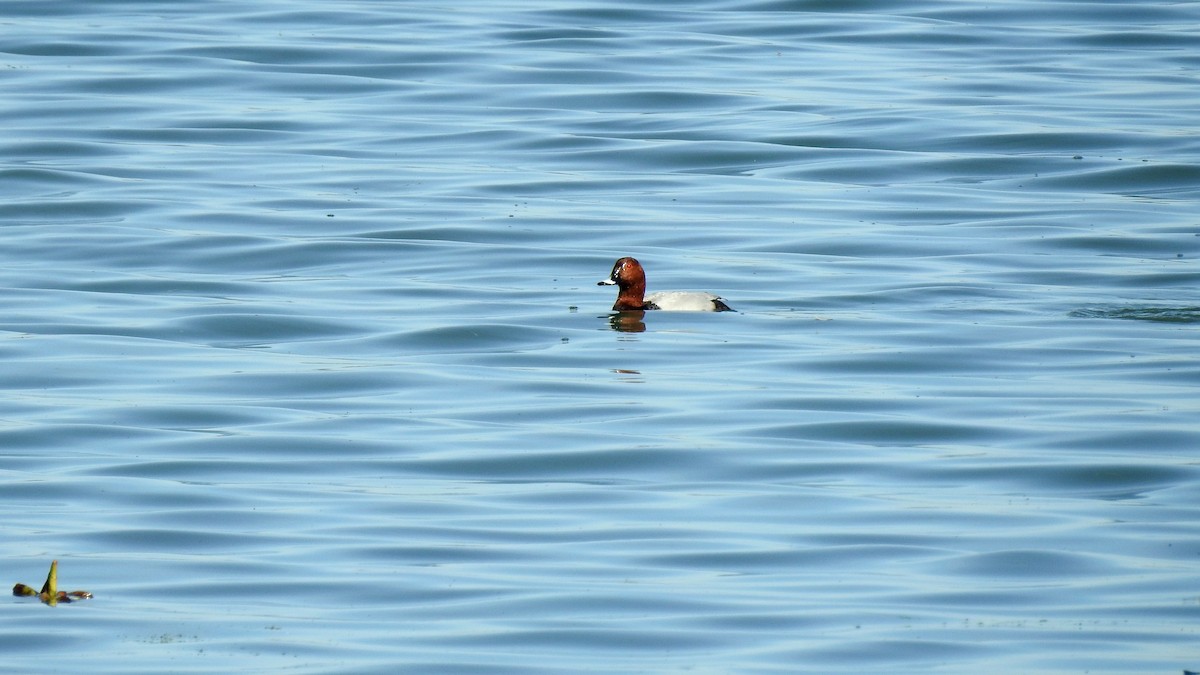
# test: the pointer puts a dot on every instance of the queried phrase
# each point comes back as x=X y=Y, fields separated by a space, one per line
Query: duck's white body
x=686 y=301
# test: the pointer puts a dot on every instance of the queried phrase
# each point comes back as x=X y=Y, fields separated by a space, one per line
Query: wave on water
x=1159 y=314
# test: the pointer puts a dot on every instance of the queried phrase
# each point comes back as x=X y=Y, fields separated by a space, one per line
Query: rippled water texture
x=304 y=367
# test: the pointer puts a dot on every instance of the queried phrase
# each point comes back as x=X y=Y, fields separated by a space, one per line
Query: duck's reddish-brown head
x=630 y=279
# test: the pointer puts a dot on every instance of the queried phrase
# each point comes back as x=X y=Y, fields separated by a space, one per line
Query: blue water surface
x=304 y=368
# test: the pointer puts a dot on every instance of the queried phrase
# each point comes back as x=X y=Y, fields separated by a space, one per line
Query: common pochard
x=630 y=280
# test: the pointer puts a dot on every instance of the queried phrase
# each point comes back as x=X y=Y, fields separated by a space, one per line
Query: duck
x=630 y=279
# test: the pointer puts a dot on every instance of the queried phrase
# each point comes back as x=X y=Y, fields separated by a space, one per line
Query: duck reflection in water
x=628 y=322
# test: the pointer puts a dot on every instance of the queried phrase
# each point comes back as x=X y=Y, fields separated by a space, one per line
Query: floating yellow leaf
x=50 y=593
